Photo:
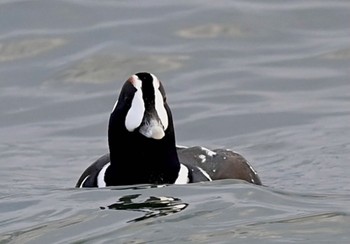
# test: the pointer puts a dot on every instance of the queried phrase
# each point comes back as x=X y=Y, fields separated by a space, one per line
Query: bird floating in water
x=143 y=150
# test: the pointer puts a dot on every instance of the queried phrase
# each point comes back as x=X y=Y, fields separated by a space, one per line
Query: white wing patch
x=208 y=152
x=202 y=157
x=101 y=176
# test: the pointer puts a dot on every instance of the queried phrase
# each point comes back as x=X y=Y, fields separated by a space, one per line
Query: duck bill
x=152 y=129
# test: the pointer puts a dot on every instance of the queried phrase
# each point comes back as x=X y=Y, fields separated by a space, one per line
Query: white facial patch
x=159 y=103
x=135 y=114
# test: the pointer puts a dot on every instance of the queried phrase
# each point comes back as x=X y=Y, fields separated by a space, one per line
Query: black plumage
x=136 y=157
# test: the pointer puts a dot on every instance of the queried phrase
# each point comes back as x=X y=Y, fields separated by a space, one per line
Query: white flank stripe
x=182 y=178
x=204 y=173
x=135 y=114
x=252 y=169
x=159 y=103
x=101 y=176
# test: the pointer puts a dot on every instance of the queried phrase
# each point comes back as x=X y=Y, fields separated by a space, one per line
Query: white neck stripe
x=182 y=177
x=101 y=176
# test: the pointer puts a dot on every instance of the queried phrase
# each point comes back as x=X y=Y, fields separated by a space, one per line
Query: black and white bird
x=142 y=146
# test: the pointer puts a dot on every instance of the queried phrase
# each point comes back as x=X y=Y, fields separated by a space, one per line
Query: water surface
x=269 y=80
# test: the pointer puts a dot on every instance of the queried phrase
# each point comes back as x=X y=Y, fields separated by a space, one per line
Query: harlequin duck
x=142 y=145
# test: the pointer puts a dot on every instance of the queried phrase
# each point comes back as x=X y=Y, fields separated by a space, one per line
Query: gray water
x=267 y=79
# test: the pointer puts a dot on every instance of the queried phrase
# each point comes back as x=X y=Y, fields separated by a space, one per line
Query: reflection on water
x=152 y=207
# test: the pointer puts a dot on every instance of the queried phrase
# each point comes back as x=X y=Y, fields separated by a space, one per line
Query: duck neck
x=137 y=159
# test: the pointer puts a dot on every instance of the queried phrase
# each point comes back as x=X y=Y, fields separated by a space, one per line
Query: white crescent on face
x=159 y=103
x=135 y=116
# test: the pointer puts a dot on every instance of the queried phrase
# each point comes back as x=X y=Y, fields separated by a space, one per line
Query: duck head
x=140 y=133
